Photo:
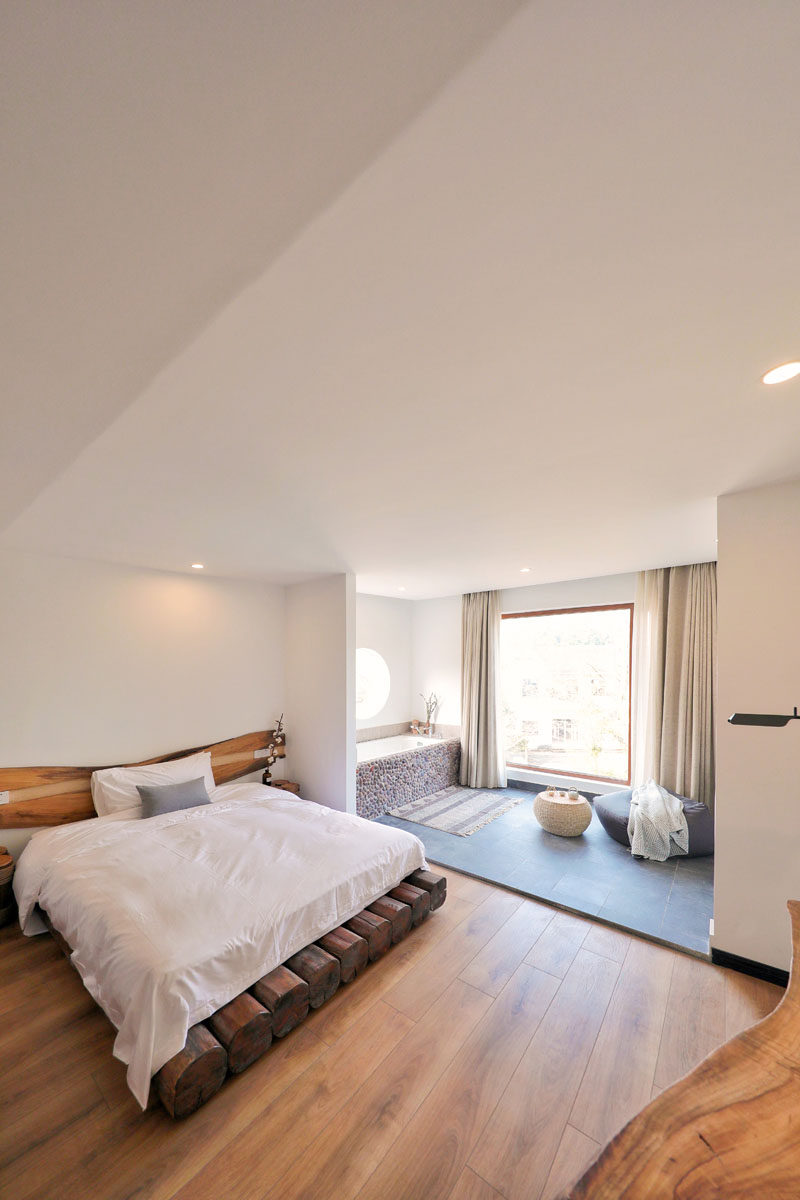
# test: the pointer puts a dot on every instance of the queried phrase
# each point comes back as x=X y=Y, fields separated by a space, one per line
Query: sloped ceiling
x=157 y=157
x=518 y=319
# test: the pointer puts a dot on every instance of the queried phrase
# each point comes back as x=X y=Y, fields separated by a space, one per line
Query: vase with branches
x=432 y=703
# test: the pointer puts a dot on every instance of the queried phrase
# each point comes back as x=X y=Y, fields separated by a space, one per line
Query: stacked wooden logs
x=240 y=1032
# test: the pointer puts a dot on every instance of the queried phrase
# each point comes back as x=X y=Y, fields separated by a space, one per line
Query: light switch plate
x=5 y=797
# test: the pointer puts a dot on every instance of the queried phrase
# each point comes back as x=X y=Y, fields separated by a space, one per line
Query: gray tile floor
x=591 y=874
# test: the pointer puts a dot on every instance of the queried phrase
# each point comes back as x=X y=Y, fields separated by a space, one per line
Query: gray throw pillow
x=171 y=797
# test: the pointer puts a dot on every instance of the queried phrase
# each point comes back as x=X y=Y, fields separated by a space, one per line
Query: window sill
x=596 y=786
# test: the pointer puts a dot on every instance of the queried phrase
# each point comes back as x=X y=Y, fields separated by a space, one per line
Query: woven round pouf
x=556 y=813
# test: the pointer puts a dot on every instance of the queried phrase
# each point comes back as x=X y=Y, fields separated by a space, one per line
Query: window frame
x=560 y=612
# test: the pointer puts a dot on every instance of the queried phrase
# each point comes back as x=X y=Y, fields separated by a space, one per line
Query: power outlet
x=5 y=797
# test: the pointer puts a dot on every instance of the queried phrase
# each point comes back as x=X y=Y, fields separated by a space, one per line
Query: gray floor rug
x=458 y=810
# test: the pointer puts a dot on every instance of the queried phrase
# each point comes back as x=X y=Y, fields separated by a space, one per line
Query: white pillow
x=114 y=789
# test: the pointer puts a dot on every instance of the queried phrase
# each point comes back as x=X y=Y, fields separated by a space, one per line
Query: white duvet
x=170 y=918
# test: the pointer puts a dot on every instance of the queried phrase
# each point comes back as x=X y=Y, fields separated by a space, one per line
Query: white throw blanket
x=657 y=823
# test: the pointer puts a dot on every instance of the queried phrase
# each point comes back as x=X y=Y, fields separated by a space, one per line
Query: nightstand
x=285 y=785
x=8 y=905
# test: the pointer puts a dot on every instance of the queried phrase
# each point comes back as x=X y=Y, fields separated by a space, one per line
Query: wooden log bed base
x=376 y=932
x=241 y=1031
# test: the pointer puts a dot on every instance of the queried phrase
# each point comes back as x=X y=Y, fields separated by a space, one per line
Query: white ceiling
x=430 y=291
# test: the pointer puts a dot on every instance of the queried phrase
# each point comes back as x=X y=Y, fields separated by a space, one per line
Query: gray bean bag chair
x=612 y=811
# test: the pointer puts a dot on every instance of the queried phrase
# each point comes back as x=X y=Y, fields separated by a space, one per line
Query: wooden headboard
x=58 y=795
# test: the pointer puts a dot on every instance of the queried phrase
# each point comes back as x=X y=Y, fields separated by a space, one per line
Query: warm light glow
x=401 y=589
x=782 y=373
x=198 y=566
x=524 y=570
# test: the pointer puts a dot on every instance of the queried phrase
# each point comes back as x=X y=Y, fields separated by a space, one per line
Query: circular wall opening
x=373 y=682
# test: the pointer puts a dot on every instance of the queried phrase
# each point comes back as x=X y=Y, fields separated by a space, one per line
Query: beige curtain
x=674 y=684
x=482 y=757
x=647 y=684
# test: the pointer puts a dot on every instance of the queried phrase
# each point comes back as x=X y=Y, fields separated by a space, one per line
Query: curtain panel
x=482 y=756
x=674 y=679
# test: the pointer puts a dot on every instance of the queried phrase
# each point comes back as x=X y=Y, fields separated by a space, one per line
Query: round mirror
x=372 y=683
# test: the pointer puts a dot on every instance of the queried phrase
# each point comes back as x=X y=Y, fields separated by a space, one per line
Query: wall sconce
x=763 y=718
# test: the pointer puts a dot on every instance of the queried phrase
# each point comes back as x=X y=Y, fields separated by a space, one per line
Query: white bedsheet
x=172 y=917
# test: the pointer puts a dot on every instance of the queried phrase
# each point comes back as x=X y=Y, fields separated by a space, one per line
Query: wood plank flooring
x=487 y=1057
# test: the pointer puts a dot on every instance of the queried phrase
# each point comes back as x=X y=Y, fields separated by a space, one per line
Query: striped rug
x=458 y=810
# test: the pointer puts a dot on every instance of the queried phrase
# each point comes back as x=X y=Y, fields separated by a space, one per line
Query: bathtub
x=381 y=747
x=391 y=771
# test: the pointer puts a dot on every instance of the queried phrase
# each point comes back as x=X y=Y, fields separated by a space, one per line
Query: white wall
x=107 y=664
x=758 y=770
x=436 y=661
x=384 y=624
x=436 y=657
x=320 y=689
x=571 y=593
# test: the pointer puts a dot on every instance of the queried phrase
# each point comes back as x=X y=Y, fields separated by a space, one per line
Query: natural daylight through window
x=566 y=691
x=373 y=683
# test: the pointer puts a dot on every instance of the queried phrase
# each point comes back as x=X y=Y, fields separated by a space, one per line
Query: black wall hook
x=763 y=718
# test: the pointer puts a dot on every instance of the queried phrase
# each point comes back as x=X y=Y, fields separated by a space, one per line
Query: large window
x=566 y=691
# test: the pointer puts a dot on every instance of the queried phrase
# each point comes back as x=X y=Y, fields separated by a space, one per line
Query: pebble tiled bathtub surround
x=398 y=778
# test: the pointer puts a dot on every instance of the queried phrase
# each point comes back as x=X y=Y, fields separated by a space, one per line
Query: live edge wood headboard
x=58 y=795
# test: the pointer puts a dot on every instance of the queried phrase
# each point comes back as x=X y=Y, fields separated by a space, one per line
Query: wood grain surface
x=243 y=1027
x=728 y=1130
x=623 y=1062
x=319 y=1114
x=351 y=950
x=518 y=1145
x=60 y=795
x=376 y=932
x=285 y=996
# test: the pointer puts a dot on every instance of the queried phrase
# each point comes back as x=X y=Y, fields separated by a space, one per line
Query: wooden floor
x=489 y=1055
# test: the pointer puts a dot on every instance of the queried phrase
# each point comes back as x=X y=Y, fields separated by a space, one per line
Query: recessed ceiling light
x=782 y=373
x=524 y=570
x=401 y=589
x=198 y=566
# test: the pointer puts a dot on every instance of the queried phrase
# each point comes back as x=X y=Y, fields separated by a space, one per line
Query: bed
x=170 y=918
